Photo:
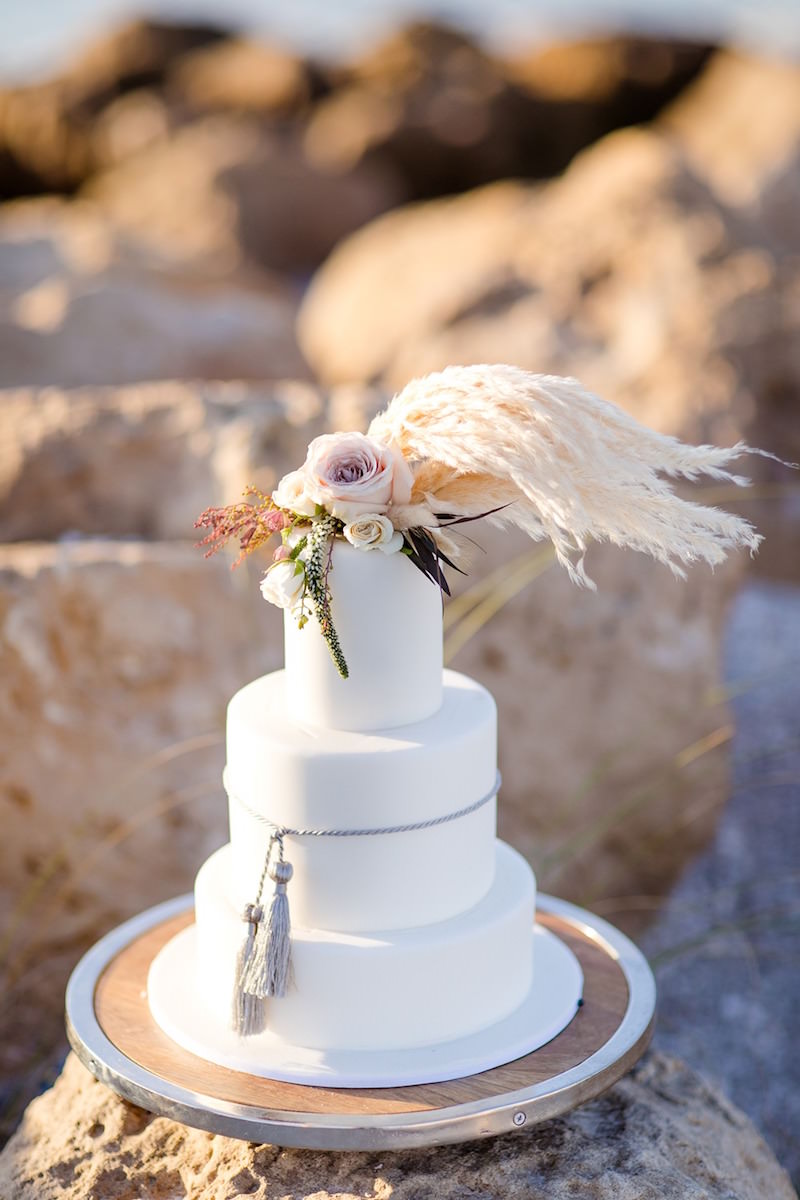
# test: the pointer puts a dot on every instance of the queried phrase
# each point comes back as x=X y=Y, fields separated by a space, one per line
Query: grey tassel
x=269 y=967
x=249 y=1011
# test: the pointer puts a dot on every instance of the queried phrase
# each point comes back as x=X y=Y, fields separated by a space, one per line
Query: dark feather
x=448 y=562
x=425 y=554
x=451 y=519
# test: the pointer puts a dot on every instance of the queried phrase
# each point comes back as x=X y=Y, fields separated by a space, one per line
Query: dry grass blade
x=592 y=833
x=486 y=601
x=126 y=829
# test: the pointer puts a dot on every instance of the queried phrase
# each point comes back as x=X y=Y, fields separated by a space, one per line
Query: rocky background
x=212 y=250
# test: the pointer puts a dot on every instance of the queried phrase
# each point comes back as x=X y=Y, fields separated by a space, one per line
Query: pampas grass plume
x=567 y=465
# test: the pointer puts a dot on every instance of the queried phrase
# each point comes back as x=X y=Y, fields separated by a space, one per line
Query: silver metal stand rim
x=490 y=1116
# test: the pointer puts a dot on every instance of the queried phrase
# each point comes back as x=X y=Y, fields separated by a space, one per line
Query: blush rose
x=351 y=474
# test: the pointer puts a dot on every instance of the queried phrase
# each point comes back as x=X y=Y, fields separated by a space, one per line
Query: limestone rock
x=139 y=194
x=117 y=661
x=138 y=53
x=41 y=150
x=143 y=461
x=243 y=191
x=432 y=105
x=358 y=317
x=81 y=303
x=586 y=89
x=662 y=1133
x=626 y=273
x=130 y=124
x=613 y=737
x=46 y=130
x=739 y=124
x=624 y=80
x=243 y=76
x=739 y=127
x=427 y=104
x=126 y=327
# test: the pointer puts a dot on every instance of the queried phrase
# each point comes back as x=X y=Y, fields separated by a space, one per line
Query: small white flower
x=291 y=494
x=283 y=583
x=373 y=531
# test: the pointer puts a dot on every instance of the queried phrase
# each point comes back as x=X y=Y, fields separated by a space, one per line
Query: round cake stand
x=113 y=1033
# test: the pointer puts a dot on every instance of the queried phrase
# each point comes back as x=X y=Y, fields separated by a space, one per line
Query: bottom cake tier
x=389 y=990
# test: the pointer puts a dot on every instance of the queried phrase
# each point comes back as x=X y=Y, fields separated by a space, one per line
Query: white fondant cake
x=399 y=939
x=383 y=989
x=389 y=616
x=364 y=916
x=310 y=778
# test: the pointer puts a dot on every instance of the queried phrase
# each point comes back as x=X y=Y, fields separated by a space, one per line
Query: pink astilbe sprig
x=250 y=524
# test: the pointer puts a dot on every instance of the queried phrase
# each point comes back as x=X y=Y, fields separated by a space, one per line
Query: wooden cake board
x=111 y=1030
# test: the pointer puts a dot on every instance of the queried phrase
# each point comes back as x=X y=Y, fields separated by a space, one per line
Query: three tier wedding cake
x=399 y=939
x=364 y=924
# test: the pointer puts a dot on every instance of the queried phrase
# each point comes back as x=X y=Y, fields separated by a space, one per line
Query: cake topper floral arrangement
x=538 y=452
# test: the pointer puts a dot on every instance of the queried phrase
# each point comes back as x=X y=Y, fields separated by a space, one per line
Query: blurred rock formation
x=222 y=185
x=425 y=112
x=115 y=681
x=627 y=272
x=447 y=116
x=739 y=127
x=144 y=461
x=83 y=301
x=46 y=129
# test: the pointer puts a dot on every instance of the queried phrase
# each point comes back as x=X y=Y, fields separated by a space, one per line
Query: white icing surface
x=389 y=620
x=544 y=1012
x=306 y=777
x=382 y=990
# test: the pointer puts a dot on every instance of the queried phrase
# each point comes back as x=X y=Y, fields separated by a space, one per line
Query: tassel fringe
x=268 y=970
x=248 y=1016
x=264 y=962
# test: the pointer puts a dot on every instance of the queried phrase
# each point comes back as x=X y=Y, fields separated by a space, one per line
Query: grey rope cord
x=264 y=961
x=282 y=831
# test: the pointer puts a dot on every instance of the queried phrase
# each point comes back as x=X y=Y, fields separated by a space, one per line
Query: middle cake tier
x=281 y=773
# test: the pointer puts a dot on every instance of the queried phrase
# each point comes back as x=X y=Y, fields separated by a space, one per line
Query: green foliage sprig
x=318 y=565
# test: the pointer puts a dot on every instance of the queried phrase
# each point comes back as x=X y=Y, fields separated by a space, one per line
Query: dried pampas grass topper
x=557 y=462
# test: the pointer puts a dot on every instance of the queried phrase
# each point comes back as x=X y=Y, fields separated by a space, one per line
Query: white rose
x=351 y=475
x=282 y=584
x=291 y=494
x=373 y=532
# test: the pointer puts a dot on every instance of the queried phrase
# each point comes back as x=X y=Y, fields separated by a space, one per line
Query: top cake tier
x=389 y=620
